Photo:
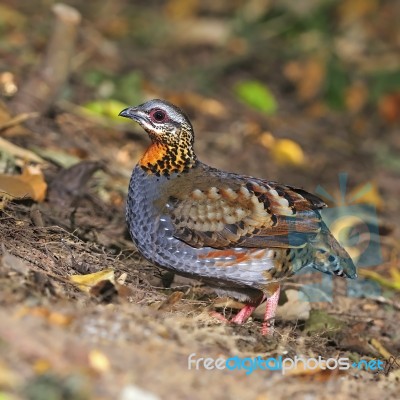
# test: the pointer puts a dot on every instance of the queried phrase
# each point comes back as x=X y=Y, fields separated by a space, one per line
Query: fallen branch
x=44 y=84
x=19 y=119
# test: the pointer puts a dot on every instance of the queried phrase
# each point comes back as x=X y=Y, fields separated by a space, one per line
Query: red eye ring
x=158 y=115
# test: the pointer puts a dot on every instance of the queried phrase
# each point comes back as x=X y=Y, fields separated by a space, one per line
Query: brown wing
x=256 y=214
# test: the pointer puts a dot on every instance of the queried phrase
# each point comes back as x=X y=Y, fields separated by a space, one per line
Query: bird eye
x=158 y=115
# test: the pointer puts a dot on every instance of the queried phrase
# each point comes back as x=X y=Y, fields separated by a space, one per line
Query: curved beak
x=133 y=113
x=125 y=113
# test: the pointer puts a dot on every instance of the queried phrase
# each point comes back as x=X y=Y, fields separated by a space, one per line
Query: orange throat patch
x=163 y=159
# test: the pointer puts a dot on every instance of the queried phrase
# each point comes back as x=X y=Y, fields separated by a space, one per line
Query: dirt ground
x=129 y=335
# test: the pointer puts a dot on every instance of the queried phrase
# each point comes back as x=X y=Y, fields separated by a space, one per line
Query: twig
x=44 y=84
x=19 y=119
x=383 y=300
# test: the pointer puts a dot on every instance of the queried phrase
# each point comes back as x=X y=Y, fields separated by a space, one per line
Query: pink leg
x=269 y=317
x=239 y=318
x=243 y=315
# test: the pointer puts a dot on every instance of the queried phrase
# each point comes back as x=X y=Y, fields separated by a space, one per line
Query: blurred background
x=297 y=92
x=303 y=92
x=324 y=76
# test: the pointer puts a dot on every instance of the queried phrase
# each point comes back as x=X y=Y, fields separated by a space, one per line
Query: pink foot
x=269 y=316
x=240 y=318
x=219 y=317
x=270 y=309
x=243 y=315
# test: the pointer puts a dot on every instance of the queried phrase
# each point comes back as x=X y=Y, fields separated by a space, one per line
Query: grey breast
x=149 y=225
x=152 y=230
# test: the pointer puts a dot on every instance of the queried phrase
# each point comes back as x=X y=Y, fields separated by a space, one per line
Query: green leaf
x=320 y=322
x=256 y=95
x=105 y=108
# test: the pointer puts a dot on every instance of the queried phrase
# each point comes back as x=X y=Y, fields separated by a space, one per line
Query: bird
x=238 y=234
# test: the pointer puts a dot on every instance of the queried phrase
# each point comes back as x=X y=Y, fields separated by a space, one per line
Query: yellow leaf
x=286 y=151
x=381 y=349
x=98 y=361
x=391 y=284
x=395 y=273
x=366 y=194
x=86 y=282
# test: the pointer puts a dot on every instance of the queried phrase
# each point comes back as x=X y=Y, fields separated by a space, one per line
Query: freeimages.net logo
x=354 y=223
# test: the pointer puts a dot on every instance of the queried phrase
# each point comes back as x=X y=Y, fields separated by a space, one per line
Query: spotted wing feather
x=255 y=214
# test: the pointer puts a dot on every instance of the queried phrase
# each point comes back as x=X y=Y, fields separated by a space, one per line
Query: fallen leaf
x=99 y=361
x=389 y=283
x=380 y=348
x=88 y=281
x=366 y=194
x=11 y=186
x=104 y=108
x=256 y=95
x=30 y=184
x=286 y=151
x=323 y=323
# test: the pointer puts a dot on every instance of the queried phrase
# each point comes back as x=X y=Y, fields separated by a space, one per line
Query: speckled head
x=171 y=134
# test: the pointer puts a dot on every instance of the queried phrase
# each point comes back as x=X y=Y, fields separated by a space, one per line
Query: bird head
x=163 y=121
x=171 y=134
